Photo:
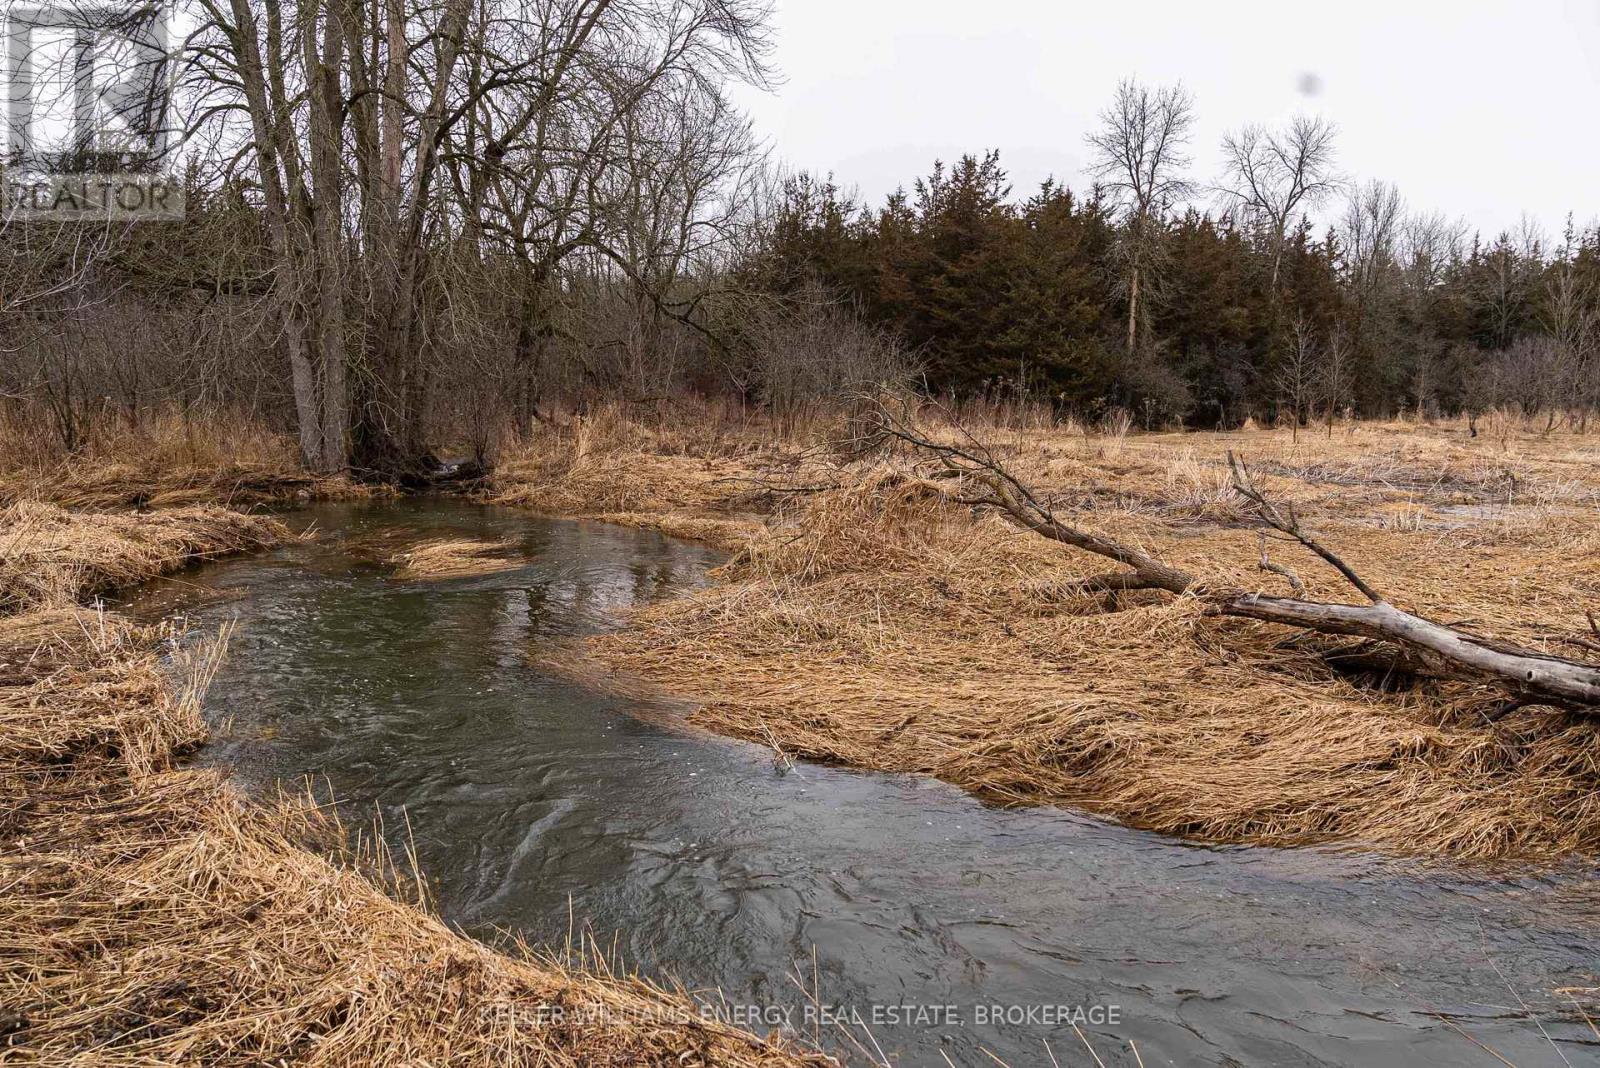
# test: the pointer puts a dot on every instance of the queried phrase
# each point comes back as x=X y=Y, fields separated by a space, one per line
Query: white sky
x=1479 y=110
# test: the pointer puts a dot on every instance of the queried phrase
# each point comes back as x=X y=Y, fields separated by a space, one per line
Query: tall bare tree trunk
x=328 y=220
x=304 y=380
x=1133 y=309
x=282 y=194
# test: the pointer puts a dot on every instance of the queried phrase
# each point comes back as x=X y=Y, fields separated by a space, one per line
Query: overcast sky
x=1483 y=111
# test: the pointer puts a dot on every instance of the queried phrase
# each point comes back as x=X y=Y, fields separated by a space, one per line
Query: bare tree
x=1335 y=371
x=813 y=350
x=1509 y=287
x=51 y=275
x=1369 y=233
x=1275 y=174
x=243 y=62
x=1296 y=377
x=357 y=118
x=1572 y=319
x=1429 y=249
x=1140 y=156
x=1371 y=230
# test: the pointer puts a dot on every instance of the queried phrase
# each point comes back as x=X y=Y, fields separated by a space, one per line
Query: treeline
x=422 y=224
x=409 y=223
x=1381 y=312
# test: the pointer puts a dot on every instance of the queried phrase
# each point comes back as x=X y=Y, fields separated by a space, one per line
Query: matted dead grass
x=50 y=557
x=699 y=477
x=150 y=915
x=443 y=558
x=873 y=626
x=165 y=461
x=722 y=532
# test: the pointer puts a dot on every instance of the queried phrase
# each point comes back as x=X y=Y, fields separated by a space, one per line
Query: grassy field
x=864 y=622
x=150 y=914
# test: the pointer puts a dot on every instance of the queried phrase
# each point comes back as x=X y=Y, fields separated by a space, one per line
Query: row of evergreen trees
x=1380 y=312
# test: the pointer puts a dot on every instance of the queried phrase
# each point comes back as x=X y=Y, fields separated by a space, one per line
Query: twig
x=1289 y=524
x=1266 y=564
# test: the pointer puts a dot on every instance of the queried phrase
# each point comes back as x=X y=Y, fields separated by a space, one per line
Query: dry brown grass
x=149 y=915
x=50 y=557
x=165 y=461
x=870 y=625
x=690 y=476
x=453 y=558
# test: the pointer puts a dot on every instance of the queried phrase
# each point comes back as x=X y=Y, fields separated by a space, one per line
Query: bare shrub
x=811 y=354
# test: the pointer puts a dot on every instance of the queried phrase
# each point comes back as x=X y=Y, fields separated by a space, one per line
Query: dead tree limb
x=1287 y=521
x=1266 y=564
x=966 y=472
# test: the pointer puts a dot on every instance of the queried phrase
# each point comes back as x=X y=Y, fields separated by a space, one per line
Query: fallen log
x=1531 y=677
x=968 y=473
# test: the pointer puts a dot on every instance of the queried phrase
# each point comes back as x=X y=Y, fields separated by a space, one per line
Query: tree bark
x=328 y=237
x=304 y=380
x=1530 y=675
x=1133 y=310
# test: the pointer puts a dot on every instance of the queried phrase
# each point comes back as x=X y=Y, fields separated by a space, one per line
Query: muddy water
x=706 y=863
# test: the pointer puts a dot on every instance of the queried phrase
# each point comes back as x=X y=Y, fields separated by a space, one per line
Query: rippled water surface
x=708 y=863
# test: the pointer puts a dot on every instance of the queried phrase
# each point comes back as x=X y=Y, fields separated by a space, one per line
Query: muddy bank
x=151 y=914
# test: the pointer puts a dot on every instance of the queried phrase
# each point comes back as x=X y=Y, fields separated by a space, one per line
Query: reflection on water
x=705 y=862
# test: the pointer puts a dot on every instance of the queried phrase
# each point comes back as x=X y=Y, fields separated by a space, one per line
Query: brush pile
x=149 y=915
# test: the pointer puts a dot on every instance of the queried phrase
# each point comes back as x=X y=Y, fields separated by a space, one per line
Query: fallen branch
x=1287 y=522
x=968 y=473
x=1266 y=564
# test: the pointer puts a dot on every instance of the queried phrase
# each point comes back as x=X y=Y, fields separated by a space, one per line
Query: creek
x=865 y=911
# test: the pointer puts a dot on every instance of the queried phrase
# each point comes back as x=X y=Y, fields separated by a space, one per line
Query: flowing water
x=918 y=920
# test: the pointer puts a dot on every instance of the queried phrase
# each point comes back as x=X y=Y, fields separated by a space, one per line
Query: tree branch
x=970 y=475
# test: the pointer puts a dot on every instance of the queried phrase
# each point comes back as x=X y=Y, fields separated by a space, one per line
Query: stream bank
x=536 y=806
x=151 y=914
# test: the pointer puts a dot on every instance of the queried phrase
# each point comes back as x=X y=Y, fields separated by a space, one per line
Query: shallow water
x=530 y=799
